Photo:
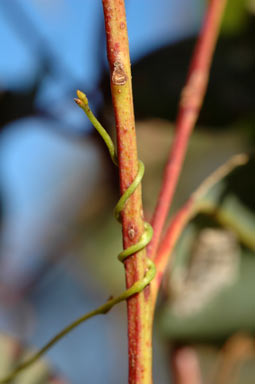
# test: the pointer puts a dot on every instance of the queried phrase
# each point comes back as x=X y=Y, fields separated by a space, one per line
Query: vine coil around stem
x=144 y=240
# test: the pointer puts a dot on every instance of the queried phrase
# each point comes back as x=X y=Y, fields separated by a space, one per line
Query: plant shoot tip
x=78 y=102
x=82 y=96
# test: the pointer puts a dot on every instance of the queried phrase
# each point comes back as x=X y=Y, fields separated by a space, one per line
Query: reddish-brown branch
x=189 y=209
x=190 y=104
x=139 y=306
x=185 y=366
x=173 y=232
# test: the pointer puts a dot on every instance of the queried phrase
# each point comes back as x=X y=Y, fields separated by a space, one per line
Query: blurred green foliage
x=231 y=309
x=235 y=16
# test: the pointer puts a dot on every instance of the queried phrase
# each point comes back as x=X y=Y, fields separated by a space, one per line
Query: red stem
x=139 y=306
x=174 y=230
x=185 y=366
x=188 y=210
x=189 y=107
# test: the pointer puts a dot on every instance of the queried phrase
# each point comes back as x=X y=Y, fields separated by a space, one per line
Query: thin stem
x=189 y=107
x=189 y=209
x=185 y=366
x=103 y=309
x=235 y=352
x=139 y=306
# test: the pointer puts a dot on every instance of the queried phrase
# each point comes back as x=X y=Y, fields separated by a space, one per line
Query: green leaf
x=231 y=202
x=210 y=293
x=235 y=16
x=230 y=311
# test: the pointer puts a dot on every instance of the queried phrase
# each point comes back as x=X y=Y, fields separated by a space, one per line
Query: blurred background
x=59 y=240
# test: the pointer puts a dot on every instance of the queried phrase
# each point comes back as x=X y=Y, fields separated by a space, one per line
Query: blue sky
x=74 y=34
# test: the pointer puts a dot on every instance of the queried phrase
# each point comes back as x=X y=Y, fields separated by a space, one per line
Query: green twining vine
x=144 y=240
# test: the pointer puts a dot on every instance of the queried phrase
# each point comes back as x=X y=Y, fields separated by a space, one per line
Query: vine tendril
x=144 y=240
